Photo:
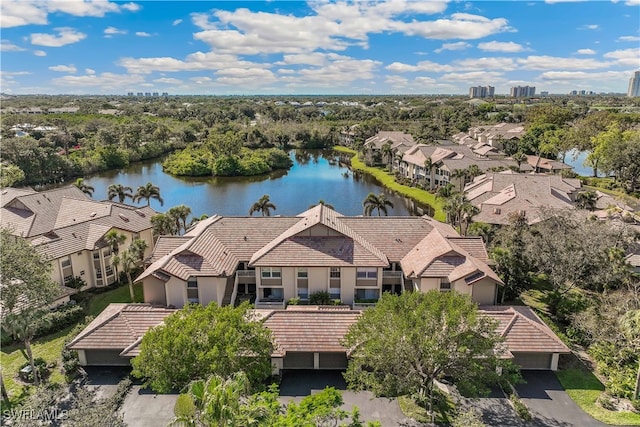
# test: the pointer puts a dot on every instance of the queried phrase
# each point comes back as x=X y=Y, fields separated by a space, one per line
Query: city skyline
x=271 y=48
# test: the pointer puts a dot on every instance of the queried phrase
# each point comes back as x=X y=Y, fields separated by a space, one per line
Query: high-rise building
x=481 y=91
x=523 y=91
x=634 y=85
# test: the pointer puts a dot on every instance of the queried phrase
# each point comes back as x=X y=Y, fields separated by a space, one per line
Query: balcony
x=392 y=278
x=246 y=276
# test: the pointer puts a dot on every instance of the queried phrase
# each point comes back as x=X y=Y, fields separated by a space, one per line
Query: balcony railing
x=246 y=273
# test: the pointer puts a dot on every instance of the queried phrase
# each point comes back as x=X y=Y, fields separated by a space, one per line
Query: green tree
x=408 y=341
x=84 y=187
x=22 y=326
x=204 y=341
x=148 y=192
x=519 y=158
x=387 y=153
x=130 y=260
x=120 y=191
x=376 y=203
x=586 y=200
x=323 y=203
x=10 y=175
x=428 y=167
x=445 y=191
x=25 y=274
x=163 y=224
x=180 y=214
x=263 y=205
x=630 y=327
x=114 y=239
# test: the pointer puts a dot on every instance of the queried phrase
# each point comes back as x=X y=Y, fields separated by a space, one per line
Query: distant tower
x=634 y=85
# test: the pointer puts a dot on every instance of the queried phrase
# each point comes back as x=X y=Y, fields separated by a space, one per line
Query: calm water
x=315 y=175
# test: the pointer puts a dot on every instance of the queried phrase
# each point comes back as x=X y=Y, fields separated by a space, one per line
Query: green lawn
x=388 y=181
x=50 y=346
x=584 y=388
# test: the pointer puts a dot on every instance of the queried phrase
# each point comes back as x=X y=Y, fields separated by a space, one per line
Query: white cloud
x=589 y=27
x=197 y=61
x=36 y=12
x=629 y=38
x=89 y=71
x=487 y=63
x=112 y=31
x=474 y=77
x=495 y=46
x=64 y=68
x=584 y=76
x=142 y=34
x=105 y=82
x=554 y=63
x=396 y=81
x=244 y=77
x=176 y=22
x=626 y=57
x=201 y=80
x=7 y=46
x=168 y=81
x=453 y=46
x=64 y=37
x=39 y=53
x=586 y=52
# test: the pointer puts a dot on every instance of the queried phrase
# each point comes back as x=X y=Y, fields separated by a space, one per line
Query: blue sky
x=316 y=47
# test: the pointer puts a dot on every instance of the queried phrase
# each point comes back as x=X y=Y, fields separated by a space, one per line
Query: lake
x=315 y=175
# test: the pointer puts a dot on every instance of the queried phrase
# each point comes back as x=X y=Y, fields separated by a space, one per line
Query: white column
x=316 y=360
x=554 y=361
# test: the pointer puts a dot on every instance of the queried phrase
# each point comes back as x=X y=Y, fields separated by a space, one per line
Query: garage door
x=532 y=360
x=106 y=358
x=333 y=360
x=298 y=360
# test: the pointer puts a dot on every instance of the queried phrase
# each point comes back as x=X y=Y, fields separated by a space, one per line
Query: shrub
x=294 y=301
x=41 y=367
x=320 y=298
x=521 y=408
x=605 y=401
x=469 y=418
x=70 y=361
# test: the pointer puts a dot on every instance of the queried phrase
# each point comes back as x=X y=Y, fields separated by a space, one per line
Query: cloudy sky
x=316 y=47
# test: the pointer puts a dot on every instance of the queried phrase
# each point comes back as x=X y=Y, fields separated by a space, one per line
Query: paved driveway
x=300 y=383
x=550 y=405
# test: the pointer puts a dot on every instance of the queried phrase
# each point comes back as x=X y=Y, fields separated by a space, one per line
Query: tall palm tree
x=127 y=259
x=180 y=214
x=428 y=168
x=519 y=158
x=84 y=187
x=263 y=205
x=380 y=203
x=148 y=192
x=445 y=191
x=460 y=175
x=22 y=327
x=114 y=239
x=323 y=203
x=387 y=153
x=120 y=191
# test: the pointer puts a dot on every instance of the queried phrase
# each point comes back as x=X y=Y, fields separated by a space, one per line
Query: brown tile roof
x=547 y=164
x=119 y=326
x=392 y=137
x=523 y=330
x=308 y=330
x=165 y=245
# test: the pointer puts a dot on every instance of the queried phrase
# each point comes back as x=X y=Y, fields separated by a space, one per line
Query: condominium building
x=523 y=91
x=634 y=85
x=481 y=91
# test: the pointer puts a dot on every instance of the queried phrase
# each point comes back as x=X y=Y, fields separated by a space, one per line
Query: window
x=273 y=294
x=334 y=273
x=107 y=252
x=108 y=270
x=367 y=294
x=367 y=273
x=96 y=255
x=246 y=288
x=66 y=262
x=68 y=278
x=192 y=290
x=270 y=272
x=98 y=273
x=445 y=285
x=302 y=273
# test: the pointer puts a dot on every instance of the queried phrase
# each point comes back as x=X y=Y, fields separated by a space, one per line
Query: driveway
x=297 y=384
x=495 y=409
x=550 y=405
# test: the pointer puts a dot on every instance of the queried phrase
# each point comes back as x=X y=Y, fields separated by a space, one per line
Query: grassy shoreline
x=388 y=181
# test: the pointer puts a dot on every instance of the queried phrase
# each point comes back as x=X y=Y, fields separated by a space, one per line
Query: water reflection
x=315 y=175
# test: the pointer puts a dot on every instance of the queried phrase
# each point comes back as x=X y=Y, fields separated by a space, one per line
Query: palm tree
x=473 y=171
x=163 y=224
x=387 y=153
x=137 y=248
x=148 y=192
x=22 y=327
x=445 y=191
x=323 y=203
x=519 y=158
x=460 y=175
x=379 y=203
x=263 y=205
x=586 y=200
x=114 y=239
x=127 y=259
x=84 y=187
x=120 y=191
x=180 y=214
x=428 y=166
x=195 y=220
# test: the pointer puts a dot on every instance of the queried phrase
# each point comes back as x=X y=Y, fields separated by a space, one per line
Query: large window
x=370 y=273
x=334 y=273
x=271 y=272
x=273 y=294
x=192 y=290
x=108 y=270
x=66 y=262
x=303 y=283
x=368 y=295
x=445 y=285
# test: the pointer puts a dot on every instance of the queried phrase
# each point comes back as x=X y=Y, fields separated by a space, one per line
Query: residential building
x=446 y=159
x=634 y=85
x=69 y=228
x=348 y=135
x=540 y=164
x=400 y=142
x=481 y=91
x=307 y=337
x=501 y=196
x=522 y=91
x=269 y=260
x=493 y=136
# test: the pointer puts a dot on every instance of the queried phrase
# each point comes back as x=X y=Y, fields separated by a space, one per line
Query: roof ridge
x=542 y=327
x=82 y=335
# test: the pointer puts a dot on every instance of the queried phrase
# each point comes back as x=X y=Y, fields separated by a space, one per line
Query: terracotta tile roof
x=392 y=137
x=547 y=164
x=523 y=330
x=119 y=326
x=310 y=330
x=165 y=245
